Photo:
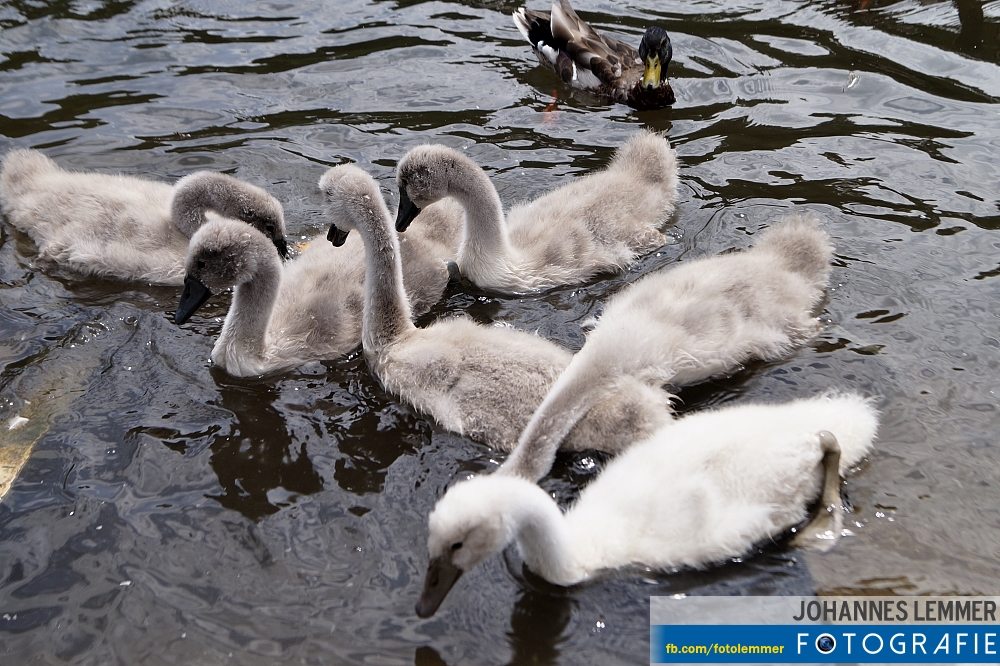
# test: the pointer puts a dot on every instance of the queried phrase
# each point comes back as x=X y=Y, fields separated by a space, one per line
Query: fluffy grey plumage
x=686 y=324
x=310 y=308
x=124 y=227
x=600 y=222
x=482 y=382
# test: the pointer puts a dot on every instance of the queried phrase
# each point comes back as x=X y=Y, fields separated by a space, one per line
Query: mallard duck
x=588 y=60
x=600 y=222
x=688 y=323
x=125 y=227
x=700 y=490
x=482 y=382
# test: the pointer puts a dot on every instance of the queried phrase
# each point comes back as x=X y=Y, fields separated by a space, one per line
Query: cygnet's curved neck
x=577 y=389
x=485 y=238
x=387 y=309
x=203 y=191
x=544 y=538
x=245 y=329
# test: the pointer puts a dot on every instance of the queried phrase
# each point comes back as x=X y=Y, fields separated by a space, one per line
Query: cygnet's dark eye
x=456 y=545
x=270 y=229
x=201 y=264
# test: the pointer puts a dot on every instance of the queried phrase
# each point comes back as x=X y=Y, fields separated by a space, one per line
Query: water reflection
x=374 y=442
x=973 y=32
x=538 y=624
x=428 y=656
x=257 y=455
x=931 y=22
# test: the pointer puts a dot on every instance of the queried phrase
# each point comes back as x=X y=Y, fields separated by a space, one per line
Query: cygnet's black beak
x=454 y=272
x=336 y=235
x=282 y=247
x=407 y=211
x=656 y=52
x=441 y=575
x=193 y=297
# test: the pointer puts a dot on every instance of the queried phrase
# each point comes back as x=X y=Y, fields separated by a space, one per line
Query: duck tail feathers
x=535 y=26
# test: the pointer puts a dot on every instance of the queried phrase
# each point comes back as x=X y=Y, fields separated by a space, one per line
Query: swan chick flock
x=311 y=307
x=125 y=227
x=707 y=487
x=691 y=492
x=481 y=382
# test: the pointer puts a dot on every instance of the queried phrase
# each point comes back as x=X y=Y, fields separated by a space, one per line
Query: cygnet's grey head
x=427 y=174
x=467 y=526
x=231 y=198
x=222 y=254
x=351 y=197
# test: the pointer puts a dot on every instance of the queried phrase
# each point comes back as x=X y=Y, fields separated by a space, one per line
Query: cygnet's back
x=684 y=325
x=755 y=304
x=125 y=227
x=599 y=222
x=485 y=382
x=714 y=482
x=317 y=314
x=611 y=216
x=80 y=220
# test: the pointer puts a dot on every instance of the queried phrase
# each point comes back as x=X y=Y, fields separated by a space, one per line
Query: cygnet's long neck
x=485 y=242
x=543 y=536
x=244 y=334
x=387 y=309
x=578 y=388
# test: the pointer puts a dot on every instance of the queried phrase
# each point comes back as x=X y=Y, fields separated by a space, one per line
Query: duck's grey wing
x=605 y=56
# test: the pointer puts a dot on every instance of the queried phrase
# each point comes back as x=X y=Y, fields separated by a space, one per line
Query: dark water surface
x=170 y=514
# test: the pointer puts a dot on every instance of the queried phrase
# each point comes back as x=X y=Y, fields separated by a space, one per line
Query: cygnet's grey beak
x=336 y=235
x=407 y=211
x=193 y=297
x=441 y=575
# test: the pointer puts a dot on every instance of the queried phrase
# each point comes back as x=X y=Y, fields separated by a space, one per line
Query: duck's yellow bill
x=651 y=74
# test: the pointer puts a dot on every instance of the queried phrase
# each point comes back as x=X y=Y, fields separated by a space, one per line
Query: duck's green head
x=655 y=51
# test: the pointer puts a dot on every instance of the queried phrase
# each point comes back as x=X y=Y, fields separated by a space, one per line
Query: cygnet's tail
x=851 y=418
x=800 y=245
x=649 y=157
x=20 y=168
